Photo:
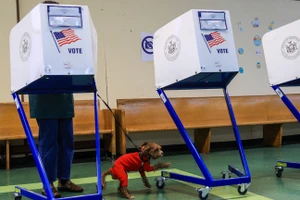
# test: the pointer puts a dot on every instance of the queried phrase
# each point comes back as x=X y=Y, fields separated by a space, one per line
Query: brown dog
x=138 y=161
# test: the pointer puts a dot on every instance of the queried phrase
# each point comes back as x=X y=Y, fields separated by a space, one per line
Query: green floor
x=265 y=185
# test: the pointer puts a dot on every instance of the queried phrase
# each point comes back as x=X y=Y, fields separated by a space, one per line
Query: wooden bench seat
x=204 y=113
x=83 y=124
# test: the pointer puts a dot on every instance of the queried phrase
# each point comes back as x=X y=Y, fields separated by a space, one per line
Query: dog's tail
x=103 y=176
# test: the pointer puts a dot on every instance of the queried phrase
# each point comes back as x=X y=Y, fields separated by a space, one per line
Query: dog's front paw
x=146 y=182
x=147 y=185
x=166 y=165
x=160 y=165
x=131 y=197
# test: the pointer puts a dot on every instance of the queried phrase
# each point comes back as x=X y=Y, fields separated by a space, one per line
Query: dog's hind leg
x=124 y=191
x=103 y=176
x=124 y=185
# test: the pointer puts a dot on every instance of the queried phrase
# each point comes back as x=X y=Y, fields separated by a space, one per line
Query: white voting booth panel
x=199 y=41
x=282 y=53
x=53 y=40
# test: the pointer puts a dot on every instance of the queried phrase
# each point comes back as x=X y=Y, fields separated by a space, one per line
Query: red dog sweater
x=130 y=162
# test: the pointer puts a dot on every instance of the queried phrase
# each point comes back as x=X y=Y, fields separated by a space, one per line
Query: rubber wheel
x=240 y=191
x=223 y=176
x=18 y=198
x=201 y=197
x=278 y=173
x=160 y=184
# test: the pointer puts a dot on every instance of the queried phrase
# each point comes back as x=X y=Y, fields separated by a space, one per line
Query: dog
x=137 y=161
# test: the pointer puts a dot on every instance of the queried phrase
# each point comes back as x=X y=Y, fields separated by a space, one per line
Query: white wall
x=8 y=20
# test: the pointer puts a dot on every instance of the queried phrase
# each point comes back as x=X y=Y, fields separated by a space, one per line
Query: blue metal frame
x=243 y=178
x=287 y=102
x=296 y=114
x=41 y=170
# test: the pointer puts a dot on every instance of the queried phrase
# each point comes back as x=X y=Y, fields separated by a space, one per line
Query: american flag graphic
x=66 y=37
x=214 y=39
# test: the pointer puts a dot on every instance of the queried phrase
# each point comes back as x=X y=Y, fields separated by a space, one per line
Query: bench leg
x=202 y=140
x=122 y=143
x=120 y=135
x=7 y=155
x=272 y=134
x=113 y=145
x=113 y=139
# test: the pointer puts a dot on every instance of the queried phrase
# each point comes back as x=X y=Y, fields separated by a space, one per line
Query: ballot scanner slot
x=212 y=20
x=65 y=16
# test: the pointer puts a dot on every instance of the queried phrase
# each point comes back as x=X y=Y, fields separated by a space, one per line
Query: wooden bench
x=204 y=113
x=84 y=124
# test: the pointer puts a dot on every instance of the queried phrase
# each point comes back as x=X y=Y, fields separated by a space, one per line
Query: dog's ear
x=144 y=144
x=145 y=148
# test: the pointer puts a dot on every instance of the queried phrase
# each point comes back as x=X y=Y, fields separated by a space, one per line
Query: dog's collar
x=144 y=159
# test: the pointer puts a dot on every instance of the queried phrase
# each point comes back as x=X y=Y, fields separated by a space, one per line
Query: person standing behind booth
x=54 y=114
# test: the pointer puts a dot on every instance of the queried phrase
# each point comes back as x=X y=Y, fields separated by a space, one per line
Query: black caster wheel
x=17 y=196
x=278 y=171
x=224 y=176
x=242 y=192
x=160 y=184
x=200 y=193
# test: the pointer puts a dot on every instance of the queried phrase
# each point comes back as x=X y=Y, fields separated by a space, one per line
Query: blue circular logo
x=241 y=70
x=147 y=45
x=241 y=51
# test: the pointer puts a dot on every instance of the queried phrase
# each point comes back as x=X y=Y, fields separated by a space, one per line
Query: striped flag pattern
x=214 y=39
x=66 y=37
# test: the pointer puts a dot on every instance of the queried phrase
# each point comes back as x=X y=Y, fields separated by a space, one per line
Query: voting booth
x=196 y=51
x=54 y=46
x=282 y=55
x=53 y=49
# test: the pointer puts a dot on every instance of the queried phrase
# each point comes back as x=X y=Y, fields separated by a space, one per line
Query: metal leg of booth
x=243 y=179
x=19 y=191
x=279 y=167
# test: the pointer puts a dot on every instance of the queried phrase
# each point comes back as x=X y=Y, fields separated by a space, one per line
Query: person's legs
x=48 y=149
x=66 y=149
x=65 y=156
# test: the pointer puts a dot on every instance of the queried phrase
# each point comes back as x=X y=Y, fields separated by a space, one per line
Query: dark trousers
x=56 y=147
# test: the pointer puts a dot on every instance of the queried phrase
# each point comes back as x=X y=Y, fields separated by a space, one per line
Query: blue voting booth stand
x=53 y=50
x=88 y=87
x=196 y=51
x=282 y=50
x=279 y=167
